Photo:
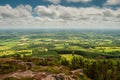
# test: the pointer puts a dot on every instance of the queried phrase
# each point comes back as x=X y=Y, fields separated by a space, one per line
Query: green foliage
x=64 y=62
x=102 y=70
x=51 y=69
x=7 y=67
x=77 y=62
x=81 y=76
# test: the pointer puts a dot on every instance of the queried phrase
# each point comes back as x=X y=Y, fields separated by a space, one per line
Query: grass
x=69 y=56
x=107 y=49
x=11 y=52
x=8 y=52
x=45 y=54
x=7 y=45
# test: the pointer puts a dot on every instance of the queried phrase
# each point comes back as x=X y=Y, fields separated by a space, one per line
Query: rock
x=40 y=75
x=23 y=74
x=77 y=71
x=50 y=77
x=30 y=64
x=45 y=75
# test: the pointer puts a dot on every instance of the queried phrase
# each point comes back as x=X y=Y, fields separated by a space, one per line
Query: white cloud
x=20 y=11
x=83 y=1
x=72 y=13
x=43 y=11
x=112 y=2
x=59 y=16
x=54 y=1
x=74 y=1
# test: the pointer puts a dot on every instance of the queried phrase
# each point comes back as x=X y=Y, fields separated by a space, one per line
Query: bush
x=64 y=62
x=75 y=63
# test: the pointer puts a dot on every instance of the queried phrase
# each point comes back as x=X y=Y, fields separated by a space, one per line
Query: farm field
x=103 y=43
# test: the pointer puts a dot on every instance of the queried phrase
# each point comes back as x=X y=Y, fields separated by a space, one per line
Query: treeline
x=79 y=52
x=37 y=52
x=113 y=54
x=96 y=69
x=107 y=55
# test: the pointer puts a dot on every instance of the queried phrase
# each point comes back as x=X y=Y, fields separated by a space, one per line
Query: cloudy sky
x=90 y=14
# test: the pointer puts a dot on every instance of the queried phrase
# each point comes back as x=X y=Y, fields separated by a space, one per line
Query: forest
x=62 y=54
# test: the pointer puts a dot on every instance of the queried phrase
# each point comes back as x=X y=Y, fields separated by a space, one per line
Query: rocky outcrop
x=42 y=75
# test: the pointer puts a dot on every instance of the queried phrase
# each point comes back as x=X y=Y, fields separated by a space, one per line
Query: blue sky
x=34 y=3
x=60 y=14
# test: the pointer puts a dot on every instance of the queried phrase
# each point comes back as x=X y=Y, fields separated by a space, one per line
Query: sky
x=65 y=14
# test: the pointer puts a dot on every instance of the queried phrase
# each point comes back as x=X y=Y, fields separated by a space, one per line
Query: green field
x=102 y=43
x=69 y=57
